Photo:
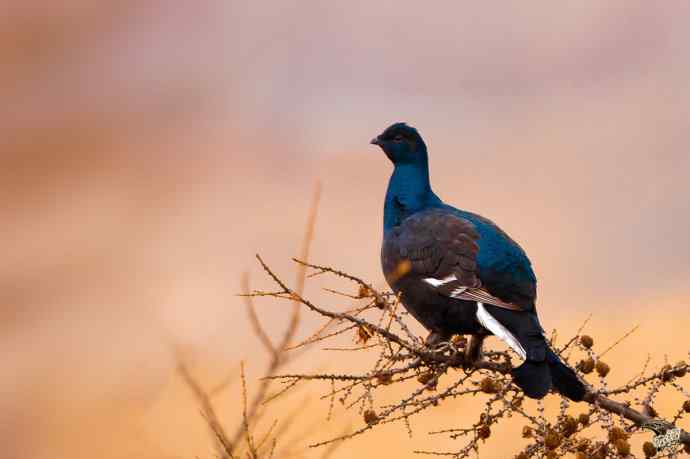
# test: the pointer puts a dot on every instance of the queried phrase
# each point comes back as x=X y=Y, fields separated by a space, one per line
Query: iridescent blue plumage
x=465 y=275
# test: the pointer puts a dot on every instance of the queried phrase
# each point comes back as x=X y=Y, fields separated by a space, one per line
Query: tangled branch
x=243 y=442
x=379 y=324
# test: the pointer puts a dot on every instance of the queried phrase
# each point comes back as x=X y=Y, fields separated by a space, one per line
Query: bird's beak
x=375 y=141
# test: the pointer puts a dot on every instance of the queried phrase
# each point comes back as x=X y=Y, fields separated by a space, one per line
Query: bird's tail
x=542 y=367
x=564 y=378
x=535 y=378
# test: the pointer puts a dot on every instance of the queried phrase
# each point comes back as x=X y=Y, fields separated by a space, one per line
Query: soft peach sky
x=149 y=149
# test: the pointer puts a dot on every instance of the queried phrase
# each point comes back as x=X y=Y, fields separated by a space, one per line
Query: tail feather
x=564 y=378
x=534 y=378
x=542 y=367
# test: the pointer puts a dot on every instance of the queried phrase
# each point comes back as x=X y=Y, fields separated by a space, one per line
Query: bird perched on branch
x=459 y=273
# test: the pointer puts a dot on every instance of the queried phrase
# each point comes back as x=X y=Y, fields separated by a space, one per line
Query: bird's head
x=402 y=144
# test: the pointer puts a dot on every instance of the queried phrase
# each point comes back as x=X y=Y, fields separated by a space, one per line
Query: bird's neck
x=409 y=191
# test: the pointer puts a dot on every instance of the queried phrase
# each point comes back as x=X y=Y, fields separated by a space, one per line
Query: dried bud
x=686 y=406
x=580 y=455
x=384 y=378
x=583 y=445
x=522 y=455
x=666 y=373
x=552 y=440
x=489 y=386
x=426 y=378
x=527 y=432
x=364 y=333
x=583 y=419
x=616 y=433
x=687 y=449
x=364 y=292
x=569 y=426
x=459 y=341
x=623 y=447
x=551 y=455
x=380 y=302
x=484 y=432
x=370 y=417
x=587 y=341
x=602 y=368
x=649 y=449
x=429 y=379
x=586 y=366
x=680 y=369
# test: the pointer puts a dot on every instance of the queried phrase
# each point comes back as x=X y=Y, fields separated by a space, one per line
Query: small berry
x=527 y=432
x=623 y=447
x=686 y=406
x=580 y=455
x=687 y=448
x=583 y=419
x=616 y=433
x=425 y=378
x=370 y=417
x=364 y=292
x=522 y=455
x=551 y=455
x=429 y=380
x=384 y=379
x=488 y=386
x=552 y=440
x=587 y=341
x=666 y=373
x=586 y=366
x=602 y=369
x=569 y=426
x=484 y=432
x=649 y=449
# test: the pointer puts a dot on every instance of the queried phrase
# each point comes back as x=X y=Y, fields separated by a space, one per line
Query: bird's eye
x=398 y=138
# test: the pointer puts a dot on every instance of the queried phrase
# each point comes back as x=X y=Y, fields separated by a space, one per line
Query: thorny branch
x=231 y=447
x=404 y=358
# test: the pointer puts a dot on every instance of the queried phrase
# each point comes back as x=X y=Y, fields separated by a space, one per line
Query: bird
x=458 y=273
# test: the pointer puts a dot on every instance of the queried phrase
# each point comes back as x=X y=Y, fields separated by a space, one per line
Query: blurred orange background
x=150 y=149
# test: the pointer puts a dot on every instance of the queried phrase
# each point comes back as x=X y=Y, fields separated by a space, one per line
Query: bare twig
x=208 y=411
x=278 y=356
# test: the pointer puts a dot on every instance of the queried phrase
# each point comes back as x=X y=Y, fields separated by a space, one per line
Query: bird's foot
x=434 y=339
x=473 y=351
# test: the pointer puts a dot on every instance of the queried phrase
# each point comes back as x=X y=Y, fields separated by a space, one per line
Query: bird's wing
x=440 y=249
x=504 y=268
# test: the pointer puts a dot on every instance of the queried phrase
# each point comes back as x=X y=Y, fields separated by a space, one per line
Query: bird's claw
x=473 y=351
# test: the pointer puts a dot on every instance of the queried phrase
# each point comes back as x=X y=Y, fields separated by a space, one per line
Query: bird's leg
x=434 y=339
x=473 y=351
